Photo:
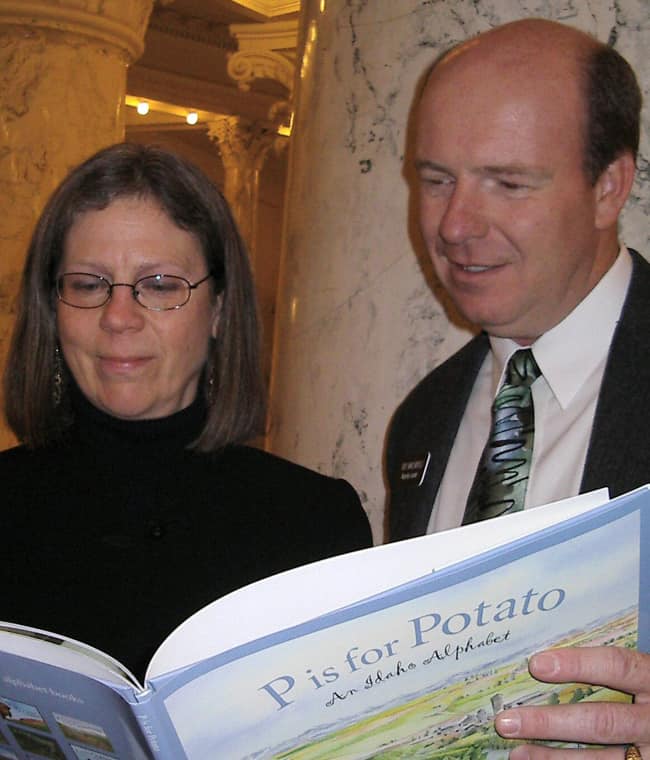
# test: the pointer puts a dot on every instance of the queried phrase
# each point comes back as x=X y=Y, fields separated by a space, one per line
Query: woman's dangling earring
x=57 y=387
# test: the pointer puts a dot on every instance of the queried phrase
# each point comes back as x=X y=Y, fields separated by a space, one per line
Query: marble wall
x=360 y=317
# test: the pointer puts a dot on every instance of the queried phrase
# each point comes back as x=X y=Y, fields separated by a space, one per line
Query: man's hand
x=605 y=723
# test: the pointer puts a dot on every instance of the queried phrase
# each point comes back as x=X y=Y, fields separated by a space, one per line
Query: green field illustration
x=455 y=720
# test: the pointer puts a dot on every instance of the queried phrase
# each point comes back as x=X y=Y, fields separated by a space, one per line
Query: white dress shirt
x=572 y=358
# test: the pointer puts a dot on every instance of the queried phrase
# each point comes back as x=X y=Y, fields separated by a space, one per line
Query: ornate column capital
x=120 y=23
x=243 y=143
x=265 y=51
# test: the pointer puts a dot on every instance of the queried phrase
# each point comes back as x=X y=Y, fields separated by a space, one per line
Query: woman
x=132 y=382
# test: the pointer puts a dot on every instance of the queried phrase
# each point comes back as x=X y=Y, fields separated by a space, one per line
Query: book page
x=295 y=596
x=64 y=652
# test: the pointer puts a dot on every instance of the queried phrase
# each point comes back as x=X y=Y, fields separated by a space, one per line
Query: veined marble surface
x=360 y=317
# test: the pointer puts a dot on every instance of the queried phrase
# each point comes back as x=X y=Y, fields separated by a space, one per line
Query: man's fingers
x=593 y=723
x=618 y=668
x=542 y=752
x=607 y=723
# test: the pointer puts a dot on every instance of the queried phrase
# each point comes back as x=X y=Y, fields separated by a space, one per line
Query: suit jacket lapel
x=423 y=431
x=618 y=454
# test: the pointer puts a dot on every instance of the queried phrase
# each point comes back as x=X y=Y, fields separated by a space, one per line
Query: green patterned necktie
x=502 y=475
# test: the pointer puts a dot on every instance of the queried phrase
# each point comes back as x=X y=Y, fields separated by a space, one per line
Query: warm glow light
x=322 y=6
x=270 y=8
x=168 y=113
x=312 y=36
x=285 y=129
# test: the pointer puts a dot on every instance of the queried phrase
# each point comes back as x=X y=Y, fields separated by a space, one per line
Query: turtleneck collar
x=98 y=429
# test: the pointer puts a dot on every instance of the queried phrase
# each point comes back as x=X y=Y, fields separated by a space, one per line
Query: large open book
x=402 y=650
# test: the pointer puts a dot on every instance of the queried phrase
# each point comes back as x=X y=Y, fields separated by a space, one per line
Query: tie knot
x=522 y=368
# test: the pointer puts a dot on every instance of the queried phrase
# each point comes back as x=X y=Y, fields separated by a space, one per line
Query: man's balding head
x=610 y=93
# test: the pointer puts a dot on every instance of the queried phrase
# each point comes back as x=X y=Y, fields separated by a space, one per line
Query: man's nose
x=464 y=216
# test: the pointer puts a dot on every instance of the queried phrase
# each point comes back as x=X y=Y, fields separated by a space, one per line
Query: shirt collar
x=572 y=350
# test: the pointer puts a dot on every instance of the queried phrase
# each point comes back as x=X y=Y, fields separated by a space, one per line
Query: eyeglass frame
x=133 y=286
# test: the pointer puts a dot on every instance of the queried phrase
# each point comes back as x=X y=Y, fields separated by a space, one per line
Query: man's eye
x=510 y=185
x=436 y=183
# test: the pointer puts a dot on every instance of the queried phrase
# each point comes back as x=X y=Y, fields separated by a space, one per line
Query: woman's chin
x=131 y=408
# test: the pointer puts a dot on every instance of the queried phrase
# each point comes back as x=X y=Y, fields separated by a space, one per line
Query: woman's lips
x=123 y=364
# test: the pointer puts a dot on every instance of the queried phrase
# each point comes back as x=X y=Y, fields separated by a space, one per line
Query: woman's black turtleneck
x=118 y=533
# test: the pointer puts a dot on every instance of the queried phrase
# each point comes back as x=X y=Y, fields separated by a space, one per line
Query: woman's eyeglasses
x=158 y=292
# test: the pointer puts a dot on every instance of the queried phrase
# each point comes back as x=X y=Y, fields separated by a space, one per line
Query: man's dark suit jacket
x=425 y=424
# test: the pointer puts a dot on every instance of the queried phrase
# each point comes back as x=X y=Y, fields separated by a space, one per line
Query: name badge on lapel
x=415 y=470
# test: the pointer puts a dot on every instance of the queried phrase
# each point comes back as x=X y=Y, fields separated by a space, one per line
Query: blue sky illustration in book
x=299 y=692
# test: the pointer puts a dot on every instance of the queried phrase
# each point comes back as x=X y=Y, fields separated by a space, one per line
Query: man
x=525 y=152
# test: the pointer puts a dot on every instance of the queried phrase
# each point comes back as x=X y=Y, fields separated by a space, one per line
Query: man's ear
x=216 y=315
x=612 y=190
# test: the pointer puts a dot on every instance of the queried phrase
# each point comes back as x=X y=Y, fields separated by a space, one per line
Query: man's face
x=506 y=211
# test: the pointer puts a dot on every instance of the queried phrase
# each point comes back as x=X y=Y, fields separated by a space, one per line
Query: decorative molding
x=245 y=68
x=175 y=24
x=198 y=94
x=271 y=8
x=272 y=35
x=125 y=33
x=266 y=51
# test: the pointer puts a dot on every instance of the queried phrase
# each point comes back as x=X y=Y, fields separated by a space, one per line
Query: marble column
x=360 y=317
x=62 y=85
x=243 y=146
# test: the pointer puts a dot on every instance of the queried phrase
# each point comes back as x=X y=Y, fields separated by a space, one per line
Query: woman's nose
x=122 y=311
